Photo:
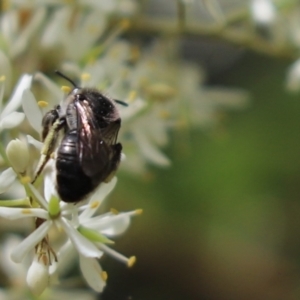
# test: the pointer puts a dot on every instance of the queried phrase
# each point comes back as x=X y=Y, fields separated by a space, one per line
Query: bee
x=83 y=130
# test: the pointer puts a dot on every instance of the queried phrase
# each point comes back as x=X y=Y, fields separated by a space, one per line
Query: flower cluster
x=163 y=93
x=270 y=27
x=84 y=229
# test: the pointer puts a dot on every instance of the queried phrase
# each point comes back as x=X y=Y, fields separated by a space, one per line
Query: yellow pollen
x=125 y=24
x=131 y=261
x=131 y=96
x=26 y=211
x=104 y=275
x=2 y=78
x=95 y=204
x=114 y=211
x=139 y=211
x=65 y=89
x=43 y=103
x=85 y=76
x=25 y=179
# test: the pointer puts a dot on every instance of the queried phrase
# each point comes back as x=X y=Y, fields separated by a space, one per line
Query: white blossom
x=9 y=116
x=38 y=275
x=87 y=233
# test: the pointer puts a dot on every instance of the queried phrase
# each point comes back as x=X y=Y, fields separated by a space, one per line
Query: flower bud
x=38 y=275
x=18 y=155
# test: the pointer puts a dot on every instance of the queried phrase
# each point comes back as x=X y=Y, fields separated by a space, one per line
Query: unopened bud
x=18 y=155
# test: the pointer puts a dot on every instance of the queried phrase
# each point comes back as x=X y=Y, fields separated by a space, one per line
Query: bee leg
x=50 y=141
x=115 y=161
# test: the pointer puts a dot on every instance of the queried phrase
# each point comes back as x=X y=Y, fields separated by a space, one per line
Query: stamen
x=95 y=204
x=114 y=211
x=139 y=211
x=104 y=275
x=2 y=78
x=66 y=89
x=131 y=261
x=85 y=76
x=43 y=103
x=131 y=96
x=128 y=261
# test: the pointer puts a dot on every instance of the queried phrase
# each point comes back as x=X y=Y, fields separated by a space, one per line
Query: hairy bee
x=88 y=152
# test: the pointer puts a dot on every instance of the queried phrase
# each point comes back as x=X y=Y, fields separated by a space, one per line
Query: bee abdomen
x=72 y=184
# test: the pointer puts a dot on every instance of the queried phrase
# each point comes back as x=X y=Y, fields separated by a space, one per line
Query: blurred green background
x=223 y=221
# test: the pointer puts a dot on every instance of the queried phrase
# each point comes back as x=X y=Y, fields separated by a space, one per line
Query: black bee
x=88 y=152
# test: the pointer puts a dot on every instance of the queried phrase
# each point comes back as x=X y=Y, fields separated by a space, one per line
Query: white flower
x=9 y=117
x=18 y=36
x=98 y=228
x=75 y=41
x=86 y=233
x=16 y=275
x=17 y=153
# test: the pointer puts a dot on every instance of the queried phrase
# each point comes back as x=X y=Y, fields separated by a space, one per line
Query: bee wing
x=94 y=143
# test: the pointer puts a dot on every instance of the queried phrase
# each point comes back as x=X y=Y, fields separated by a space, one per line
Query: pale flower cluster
x=271 y=27
x=87 y=232
x=163 y=93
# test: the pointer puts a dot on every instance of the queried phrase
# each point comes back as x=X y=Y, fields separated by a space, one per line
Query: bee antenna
x=65 y=77
x=121 y=102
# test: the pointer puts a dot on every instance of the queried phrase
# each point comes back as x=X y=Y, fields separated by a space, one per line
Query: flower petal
x=32 y=111
x=110 y=225
x=149 y=150
x=7 y=178
x=22 y=39
x=30 y=242
x=82 y=244
x=92 y=273
x=53 y=88
x=13 y=213
x=49 y=186
x=100 y=194
x=32 y=141
x=16 y=99
x=115 y=226
x=12 y=120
